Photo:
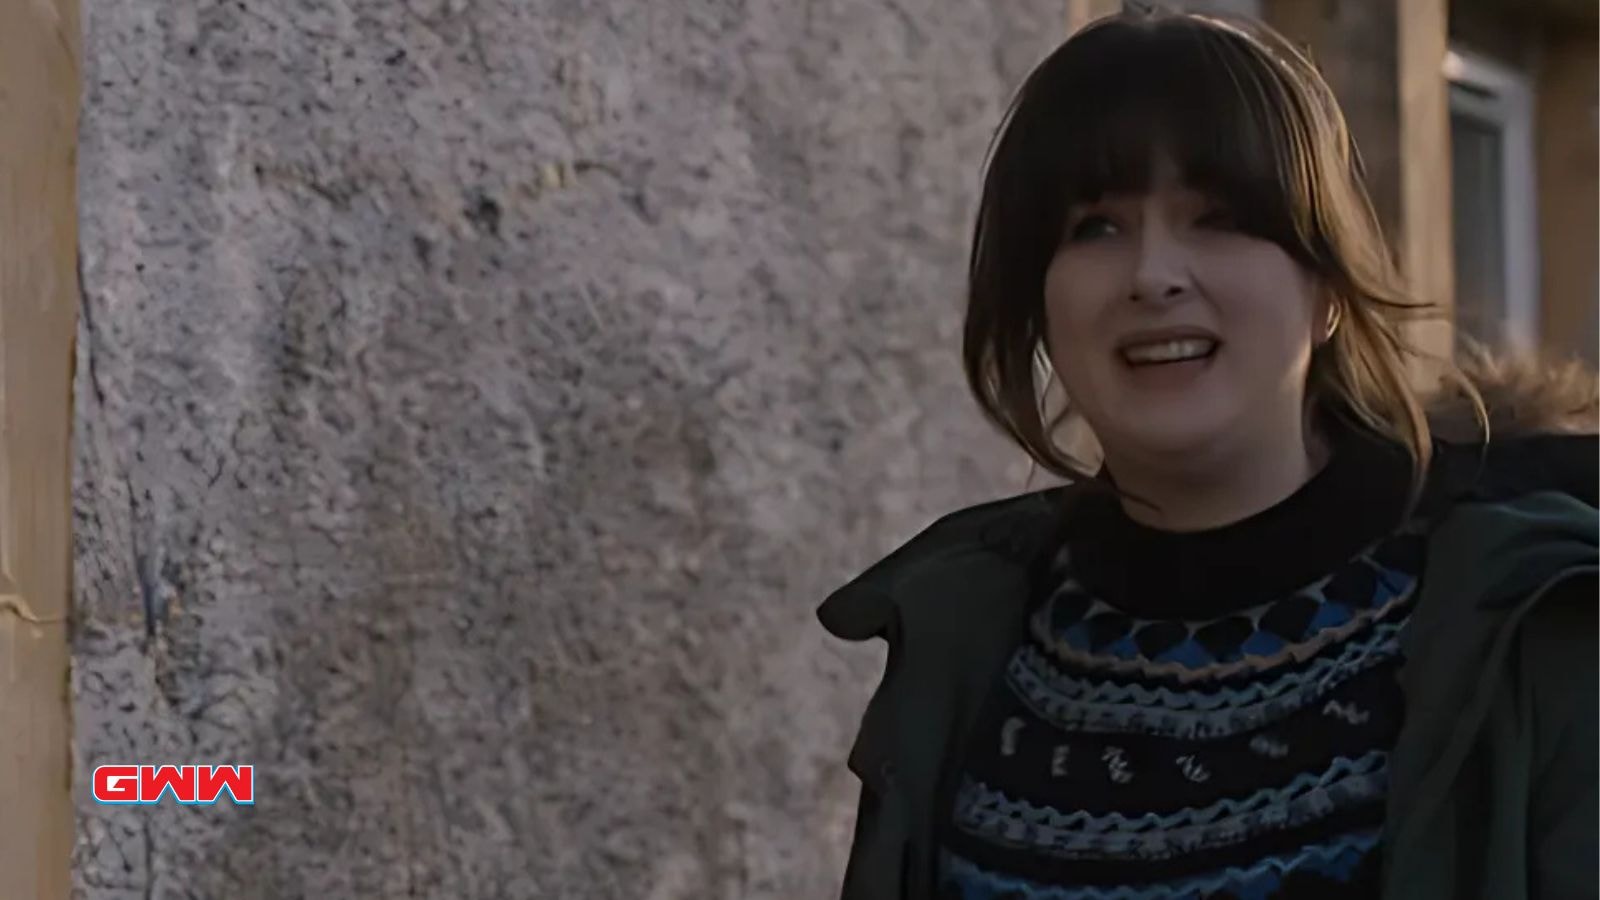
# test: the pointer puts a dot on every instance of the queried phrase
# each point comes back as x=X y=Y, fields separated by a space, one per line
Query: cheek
x=1078 y=289
x=1266 y=303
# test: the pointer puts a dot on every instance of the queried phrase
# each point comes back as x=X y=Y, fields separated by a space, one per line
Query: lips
x=1169 y=351
x=1156 y=348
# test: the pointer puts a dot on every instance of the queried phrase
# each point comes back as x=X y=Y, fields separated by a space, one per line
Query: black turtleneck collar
x=1358 y=497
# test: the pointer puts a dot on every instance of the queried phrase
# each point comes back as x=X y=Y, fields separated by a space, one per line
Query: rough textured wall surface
x=475 y=398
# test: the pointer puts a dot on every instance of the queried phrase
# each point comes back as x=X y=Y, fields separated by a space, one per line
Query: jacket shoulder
x=1016 y=528
x=1507 y=468
x=1562 y=671
x=1501 y=634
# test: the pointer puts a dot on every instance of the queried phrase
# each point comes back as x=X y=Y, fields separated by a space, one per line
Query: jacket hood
x=1017 y=528
x=1522 y=396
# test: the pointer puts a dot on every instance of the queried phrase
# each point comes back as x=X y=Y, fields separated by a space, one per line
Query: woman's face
x=1175 y=335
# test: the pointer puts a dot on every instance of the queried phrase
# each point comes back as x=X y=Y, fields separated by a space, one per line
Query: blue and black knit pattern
x=1078 y=625
x=1243 y=755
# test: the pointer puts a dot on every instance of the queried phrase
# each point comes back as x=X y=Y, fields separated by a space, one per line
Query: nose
x=1161 y=271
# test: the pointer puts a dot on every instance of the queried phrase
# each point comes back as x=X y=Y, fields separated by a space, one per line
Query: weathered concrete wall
x=474 y=399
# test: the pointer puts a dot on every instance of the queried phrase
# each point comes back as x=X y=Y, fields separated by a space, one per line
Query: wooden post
x=39 y=53
x=1427 y=247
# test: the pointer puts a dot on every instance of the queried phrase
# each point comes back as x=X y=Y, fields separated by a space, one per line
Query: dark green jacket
x=1493 y=781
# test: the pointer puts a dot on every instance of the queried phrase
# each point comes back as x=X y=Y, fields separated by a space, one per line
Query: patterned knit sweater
x=1199 y=715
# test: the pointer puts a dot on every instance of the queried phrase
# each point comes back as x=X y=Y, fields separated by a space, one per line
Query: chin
x=1184 y=436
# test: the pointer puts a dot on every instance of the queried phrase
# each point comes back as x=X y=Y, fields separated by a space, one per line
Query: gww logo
x=186 y=784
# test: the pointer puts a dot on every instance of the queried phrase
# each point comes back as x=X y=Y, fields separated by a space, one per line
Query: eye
x=1218 y=218
x=1091 y=227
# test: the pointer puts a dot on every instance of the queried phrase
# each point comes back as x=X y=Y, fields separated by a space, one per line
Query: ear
x=1327 y=313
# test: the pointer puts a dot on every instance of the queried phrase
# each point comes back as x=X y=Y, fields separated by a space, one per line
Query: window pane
x=1480 y=229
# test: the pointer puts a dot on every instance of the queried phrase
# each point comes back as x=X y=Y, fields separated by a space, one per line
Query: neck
x=1210 y=491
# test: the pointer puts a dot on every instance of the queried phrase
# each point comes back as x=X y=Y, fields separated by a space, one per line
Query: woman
x=1289 y=641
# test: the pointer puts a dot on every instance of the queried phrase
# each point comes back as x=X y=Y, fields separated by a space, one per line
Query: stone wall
x=474 y=399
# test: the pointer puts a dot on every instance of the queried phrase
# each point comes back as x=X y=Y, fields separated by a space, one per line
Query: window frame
x=1503 y=97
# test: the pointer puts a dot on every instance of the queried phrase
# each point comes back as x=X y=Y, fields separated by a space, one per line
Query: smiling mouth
x=1162 y=353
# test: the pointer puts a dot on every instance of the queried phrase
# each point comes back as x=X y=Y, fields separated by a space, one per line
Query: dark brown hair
x=1244 y=115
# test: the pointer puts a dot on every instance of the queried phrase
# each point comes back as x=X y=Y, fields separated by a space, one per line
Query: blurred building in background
x=1524 y=106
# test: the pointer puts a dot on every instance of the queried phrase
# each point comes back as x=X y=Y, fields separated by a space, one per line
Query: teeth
x=1170 y=351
